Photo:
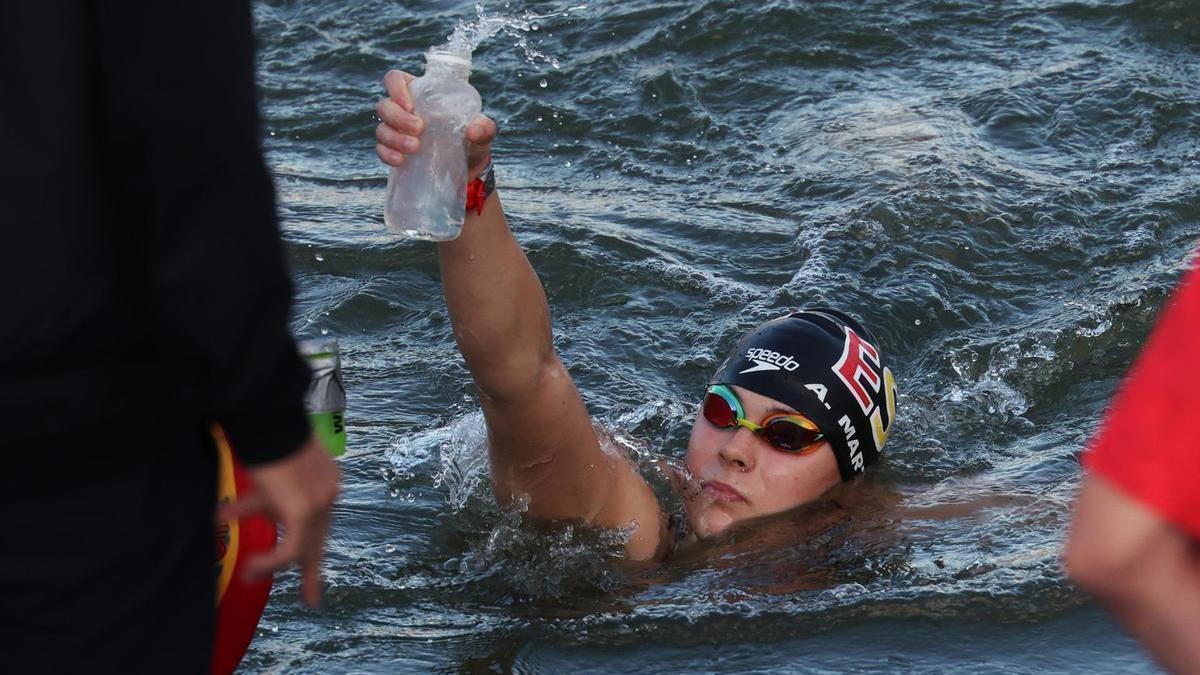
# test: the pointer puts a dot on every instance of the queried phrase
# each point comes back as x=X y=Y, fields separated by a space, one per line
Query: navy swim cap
x=829 y=368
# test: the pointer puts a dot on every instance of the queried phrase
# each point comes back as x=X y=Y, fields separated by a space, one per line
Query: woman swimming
x=800 y=404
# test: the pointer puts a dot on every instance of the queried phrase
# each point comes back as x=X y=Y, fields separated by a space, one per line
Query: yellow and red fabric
x=239 y=603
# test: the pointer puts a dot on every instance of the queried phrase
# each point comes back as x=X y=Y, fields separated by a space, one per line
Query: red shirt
x=1149 y=444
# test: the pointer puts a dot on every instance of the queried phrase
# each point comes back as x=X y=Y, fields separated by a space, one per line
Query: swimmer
x=801 y=404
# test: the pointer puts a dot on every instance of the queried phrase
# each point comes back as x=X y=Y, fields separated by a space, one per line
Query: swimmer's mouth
x=721 y=492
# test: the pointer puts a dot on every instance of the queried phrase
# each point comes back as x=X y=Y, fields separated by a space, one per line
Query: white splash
x=468 y=35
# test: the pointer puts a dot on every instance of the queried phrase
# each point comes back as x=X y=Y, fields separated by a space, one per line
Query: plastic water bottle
x=428 y=192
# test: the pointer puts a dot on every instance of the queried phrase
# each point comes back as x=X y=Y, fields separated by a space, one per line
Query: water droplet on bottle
x=389 y=549
x=916 y=322
x=319 y=258
x=542 y=83
x=539 y=118
x=324 y=331
x=568 y=164
x=534 y=26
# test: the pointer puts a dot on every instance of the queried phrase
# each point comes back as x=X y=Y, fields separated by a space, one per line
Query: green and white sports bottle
x=326 y=398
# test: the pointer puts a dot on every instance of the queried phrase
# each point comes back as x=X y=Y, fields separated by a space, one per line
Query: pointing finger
x=310 y=563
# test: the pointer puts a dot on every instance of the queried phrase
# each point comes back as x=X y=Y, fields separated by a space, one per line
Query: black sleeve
x=178 y=96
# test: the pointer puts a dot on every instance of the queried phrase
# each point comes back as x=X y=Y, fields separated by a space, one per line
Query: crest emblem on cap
x=860 y=370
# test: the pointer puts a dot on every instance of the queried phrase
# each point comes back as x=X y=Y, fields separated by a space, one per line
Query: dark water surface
x=1004 y=191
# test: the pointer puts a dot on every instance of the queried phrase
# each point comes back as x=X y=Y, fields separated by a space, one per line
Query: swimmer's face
x=741 y=476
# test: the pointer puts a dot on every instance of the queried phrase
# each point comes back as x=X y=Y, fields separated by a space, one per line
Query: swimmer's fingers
x=396 y=135
x=389 y=156
x=392 y=146
x=481 y=131
x=396 y=83
x=396 y=117
x=480 y=134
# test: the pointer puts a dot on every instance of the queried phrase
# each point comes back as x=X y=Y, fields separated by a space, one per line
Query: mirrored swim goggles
x=788 y=432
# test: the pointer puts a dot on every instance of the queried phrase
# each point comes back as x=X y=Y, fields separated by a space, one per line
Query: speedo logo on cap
x=766 y=359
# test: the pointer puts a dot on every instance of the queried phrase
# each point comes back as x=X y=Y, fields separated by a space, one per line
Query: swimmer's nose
x=739 y=451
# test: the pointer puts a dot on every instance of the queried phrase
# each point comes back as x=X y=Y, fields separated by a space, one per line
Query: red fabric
x=476 y=196
x=1149 y=444
x=244 y=601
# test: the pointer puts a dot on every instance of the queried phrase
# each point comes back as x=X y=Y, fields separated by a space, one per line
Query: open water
x=1004 y=191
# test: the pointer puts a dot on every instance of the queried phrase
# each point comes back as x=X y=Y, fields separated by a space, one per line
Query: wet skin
x=737 y=475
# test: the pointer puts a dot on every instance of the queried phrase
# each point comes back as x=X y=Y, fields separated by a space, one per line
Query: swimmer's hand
x=399 y=131
x=298 y=493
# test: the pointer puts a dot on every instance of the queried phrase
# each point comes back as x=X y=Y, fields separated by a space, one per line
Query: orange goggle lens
x=787 y=432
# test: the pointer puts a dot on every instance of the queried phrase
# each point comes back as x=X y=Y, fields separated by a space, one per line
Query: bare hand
x=399 y=131
x=298 y=493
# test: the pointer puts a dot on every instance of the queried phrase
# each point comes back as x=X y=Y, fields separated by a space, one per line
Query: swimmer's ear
x=396 y=83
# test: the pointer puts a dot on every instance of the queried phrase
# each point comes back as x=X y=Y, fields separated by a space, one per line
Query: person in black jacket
x=145 y=299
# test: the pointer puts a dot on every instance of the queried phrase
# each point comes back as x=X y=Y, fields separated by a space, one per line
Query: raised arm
x=542 y=444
